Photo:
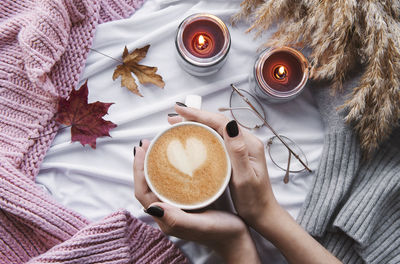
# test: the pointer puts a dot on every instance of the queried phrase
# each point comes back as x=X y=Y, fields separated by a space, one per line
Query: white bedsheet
x=98 y=182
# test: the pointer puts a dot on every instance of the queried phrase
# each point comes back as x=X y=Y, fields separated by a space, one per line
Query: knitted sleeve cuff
x=353 y=207
x=22 y=198
x=342 y=247
x=43 y=38
x=371 y=215
x=383 y=245
x=119 y=238
x=339 y=161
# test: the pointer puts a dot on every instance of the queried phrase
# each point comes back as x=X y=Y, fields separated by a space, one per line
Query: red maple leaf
x=85 y=119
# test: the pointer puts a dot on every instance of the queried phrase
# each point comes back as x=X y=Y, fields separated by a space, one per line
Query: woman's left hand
x=224 y=232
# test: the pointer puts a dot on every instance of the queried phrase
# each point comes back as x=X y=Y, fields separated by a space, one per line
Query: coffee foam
x=187 y=165
x=186 y=158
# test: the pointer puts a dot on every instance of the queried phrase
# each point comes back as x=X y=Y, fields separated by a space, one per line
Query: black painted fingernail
x=134 y=151
x=172 y=114
x=140 y=143
x=155 y=211
x=181 y=104
x=232 y=128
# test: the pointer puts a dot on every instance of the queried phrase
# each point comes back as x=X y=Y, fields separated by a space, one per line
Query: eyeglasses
x=244 y=107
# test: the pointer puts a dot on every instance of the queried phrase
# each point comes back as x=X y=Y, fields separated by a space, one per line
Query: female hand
x=250 y=186
x=252 y=193
x=224 y=232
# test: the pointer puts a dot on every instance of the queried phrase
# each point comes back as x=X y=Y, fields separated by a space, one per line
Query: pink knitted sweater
x=43 y=47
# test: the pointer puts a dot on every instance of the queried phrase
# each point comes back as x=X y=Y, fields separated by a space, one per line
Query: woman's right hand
x=250 y=186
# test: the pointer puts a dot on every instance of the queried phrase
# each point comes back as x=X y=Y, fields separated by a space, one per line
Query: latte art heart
x=189 y=158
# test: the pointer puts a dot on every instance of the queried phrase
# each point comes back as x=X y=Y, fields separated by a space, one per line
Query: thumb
x=237 y=150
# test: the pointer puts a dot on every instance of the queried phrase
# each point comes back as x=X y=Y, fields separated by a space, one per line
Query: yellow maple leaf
x=130 y=65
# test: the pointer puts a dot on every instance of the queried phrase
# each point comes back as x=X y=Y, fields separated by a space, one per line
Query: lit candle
x=202 y=42
x=203 y=45
x=280 y=74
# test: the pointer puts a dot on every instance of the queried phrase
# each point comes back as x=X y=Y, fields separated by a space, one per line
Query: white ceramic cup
x=209 y=200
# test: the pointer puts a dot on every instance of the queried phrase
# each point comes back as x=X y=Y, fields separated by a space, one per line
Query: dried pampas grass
x=343 y=34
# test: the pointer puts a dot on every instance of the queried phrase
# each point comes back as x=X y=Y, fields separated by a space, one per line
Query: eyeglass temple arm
x=286 y=178
x=272 y=130
x=222 y=109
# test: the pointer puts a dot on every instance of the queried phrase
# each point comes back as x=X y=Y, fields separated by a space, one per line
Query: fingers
x=173 y=221
x=238 y=152
x=199 y=227
x=140 y=153
x=145 y=144
x=255 y=146
x=213 y=120
x=142 y=191
x=218 y=123
x=174 y=119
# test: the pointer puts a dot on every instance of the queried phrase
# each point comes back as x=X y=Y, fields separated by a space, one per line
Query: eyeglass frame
x=259 y=104
x=271 y=139
x=291 y=152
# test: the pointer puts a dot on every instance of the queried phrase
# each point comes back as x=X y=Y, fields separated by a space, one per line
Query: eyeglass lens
x=279 y=154
x=242 y=113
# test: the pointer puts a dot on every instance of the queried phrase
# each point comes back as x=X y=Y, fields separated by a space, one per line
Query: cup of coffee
x=187 y=165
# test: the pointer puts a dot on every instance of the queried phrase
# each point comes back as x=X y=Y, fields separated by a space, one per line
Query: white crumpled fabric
x=96 y=182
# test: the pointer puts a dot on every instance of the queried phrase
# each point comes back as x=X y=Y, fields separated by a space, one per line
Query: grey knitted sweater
x=353 y=207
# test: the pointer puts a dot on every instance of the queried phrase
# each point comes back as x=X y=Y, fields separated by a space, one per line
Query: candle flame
x=201 y=40
x=281 y=70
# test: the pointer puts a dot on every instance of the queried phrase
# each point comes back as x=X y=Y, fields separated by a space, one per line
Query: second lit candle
x=202 y=42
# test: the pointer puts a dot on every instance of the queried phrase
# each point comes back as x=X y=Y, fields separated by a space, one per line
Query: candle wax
x=212 y=34
x=293 y=74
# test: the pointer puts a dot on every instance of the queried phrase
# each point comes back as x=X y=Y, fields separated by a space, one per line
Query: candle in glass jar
x=202 y=43
x=280 y=74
